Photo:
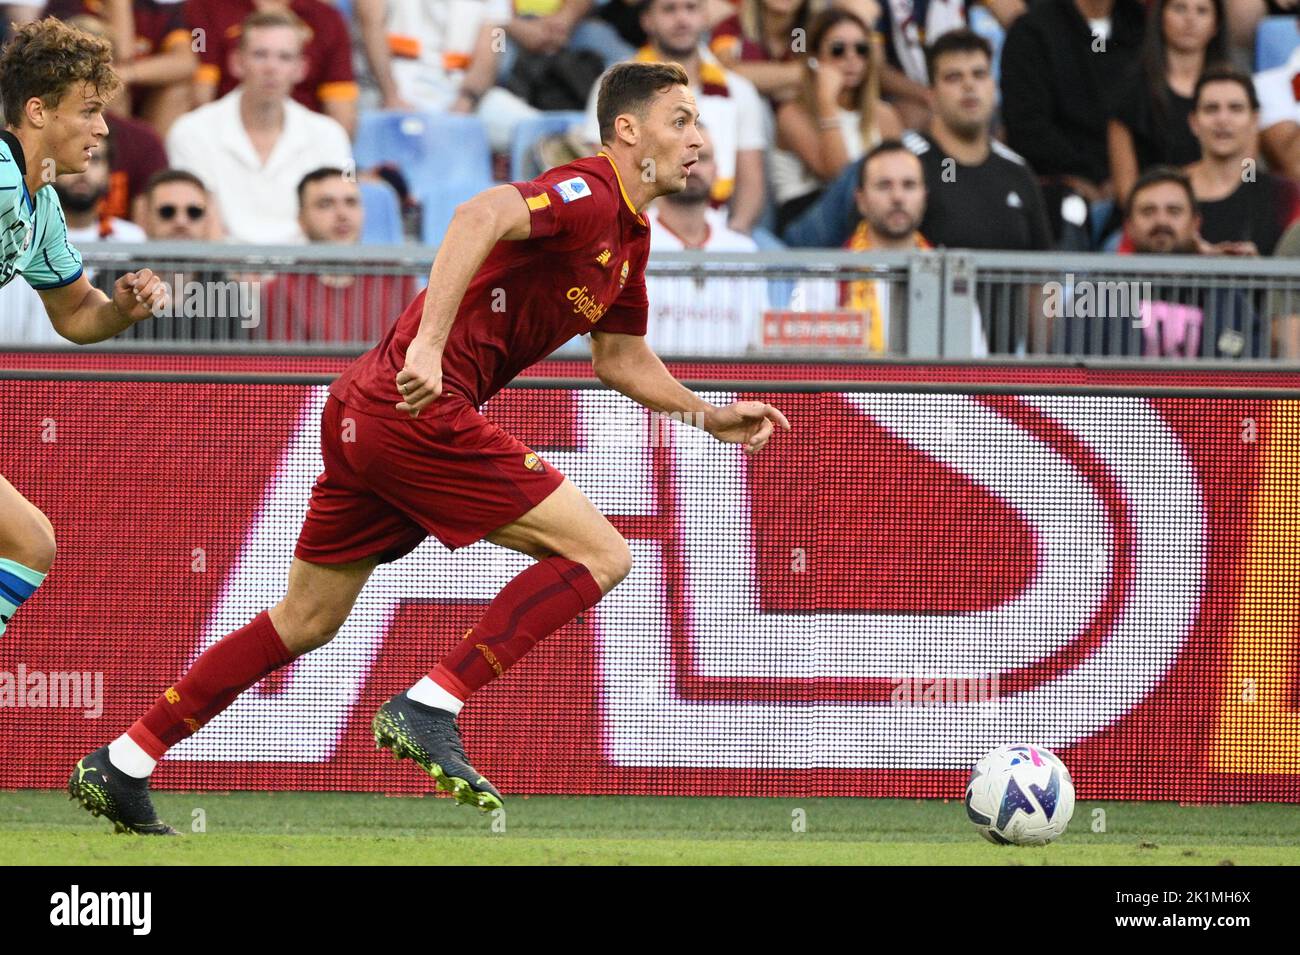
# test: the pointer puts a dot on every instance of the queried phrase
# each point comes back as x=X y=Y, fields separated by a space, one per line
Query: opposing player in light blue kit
x=55 y=81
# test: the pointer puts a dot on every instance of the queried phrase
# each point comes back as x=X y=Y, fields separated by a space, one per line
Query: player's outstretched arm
x=478 y=225
x=83 y=314
x=628 y=365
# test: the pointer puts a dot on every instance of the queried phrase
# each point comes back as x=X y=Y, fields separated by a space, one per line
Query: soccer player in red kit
x=524 y=268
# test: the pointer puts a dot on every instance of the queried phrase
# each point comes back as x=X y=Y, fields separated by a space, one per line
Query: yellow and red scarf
x=862 y=295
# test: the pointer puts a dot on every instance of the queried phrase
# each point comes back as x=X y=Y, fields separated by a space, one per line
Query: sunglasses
x=193 y=213
x=839 y=49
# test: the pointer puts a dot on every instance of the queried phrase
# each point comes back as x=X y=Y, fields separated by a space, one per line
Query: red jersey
x=159 y=27
x=328 y=50
x=581 y=269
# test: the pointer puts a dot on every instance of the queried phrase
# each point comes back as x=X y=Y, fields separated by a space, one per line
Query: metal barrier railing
x=1193 y=307
x=931 y=304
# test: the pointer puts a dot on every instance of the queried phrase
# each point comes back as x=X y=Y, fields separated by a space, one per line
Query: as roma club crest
x=622 y=276
x=533 y=462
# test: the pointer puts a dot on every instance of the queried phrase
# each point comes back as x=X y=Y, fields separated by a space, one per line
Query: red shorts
x=390 y=482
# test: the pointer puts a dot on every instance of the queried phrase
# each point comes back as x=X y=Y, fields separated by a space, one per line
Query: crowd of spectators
x=1032 y=123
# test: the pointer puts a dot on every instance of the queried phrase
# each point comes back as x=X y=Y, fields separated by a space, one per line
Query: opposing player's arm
x=83 y=314
x=628 y=365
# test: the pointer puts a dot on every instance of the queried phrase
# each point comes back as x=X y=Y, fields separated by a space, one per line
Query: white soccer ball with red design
x=1020 y=795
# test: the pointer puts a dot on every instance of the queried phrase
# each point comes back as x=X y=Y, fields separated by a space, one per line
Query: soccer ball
x=1020 y=795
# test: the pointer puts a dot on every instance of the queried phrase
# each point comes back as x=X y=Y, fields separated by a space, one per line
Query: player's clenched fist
x=745 y=422
x=139 y=295
x=420 y=380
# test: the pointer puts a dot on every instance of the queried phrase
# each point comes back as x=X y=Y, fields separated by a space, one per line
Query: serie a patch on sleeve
x=575 y=188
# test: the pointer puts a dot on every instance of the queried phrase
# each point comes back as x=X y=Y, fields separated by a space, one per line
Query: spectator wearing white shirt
x=700 y=316
x=729 y=105
x=1279 y=116
x=441 y=56
x=254 y=145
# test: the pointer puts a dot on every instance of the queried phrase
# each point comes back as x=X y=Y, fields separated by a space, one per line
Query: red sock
x=222 y=671
x=538 y=602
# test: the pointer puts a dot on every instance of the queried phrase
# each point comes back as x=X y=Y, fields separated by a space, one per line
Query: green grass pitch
x=242 y=828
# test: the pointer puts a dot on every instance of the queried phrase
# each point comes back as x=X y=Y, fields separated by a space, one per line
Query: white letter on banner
x=650 y=724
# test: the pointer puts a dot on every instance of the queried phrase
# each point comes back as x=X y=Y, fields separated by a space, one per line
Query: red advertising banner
x=900 y=584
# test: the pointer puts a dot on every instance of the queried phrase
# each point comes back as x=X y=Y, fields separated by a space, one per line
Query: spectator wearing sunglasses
x=177 y=209
x=330 y=306
x=837 y=116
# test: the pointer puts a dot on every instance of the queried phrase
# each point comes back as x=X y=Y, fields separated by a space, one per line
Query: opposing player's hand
x=420 y=380
x=749 y=423
x=139 y=295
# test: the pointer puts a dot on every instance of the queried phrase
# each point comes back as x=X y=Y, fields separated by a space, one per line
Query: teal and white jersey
x=33 y=233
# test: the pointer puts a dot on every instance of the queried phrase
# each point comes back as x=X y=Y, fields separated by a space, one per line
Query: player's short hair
x=316 y=175
x=1226 y=73
x=1157 y=175
x=884 y=147
x=165 y=176
x=45 y=59
x=630 y=88
x=955 y=41
x=272 y=18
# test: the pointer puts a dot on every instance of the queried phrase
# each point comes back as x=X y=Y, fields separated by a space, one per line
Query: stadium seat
x=1275 y=40
x=444 y=156
x=528 y=132
x=383 y=222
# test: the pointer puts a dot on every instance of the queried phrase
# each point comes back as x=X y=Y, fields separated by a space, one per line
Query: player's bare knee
x=303 y=629
x=316 y=630
x=611 y=564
